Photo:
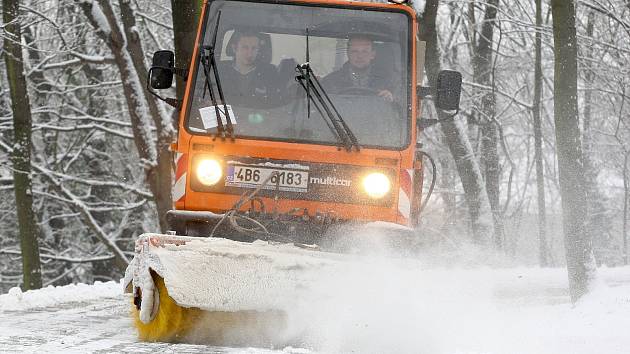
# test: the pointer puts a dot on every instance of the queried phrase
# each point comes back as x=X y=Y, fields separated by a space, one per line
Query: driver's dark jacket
x=259 y=88
x=347 y=77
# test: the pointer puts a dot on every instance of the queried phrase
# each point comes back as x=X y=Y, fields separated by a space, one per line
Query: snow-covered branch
x=61 y=258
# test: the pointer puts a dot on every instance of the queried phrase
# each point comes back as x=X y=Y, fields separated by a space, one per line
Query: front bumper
x=296 y=227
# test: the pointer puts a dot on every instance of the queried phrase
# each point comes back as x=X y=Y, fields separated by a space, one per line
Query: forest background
x=100 y=168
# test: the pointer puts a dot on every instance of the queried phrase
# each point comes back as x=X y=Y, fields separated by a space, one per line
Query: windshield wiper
x=209 y=62
x=315 y=93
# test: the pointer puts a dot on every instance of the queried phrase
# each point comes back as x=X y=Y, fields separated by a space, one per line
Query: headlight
x=376 y=185
x=209 y=172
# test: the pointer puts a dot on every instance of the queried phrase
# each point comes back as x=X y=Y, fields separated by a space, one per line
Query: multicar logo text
x=331 y=181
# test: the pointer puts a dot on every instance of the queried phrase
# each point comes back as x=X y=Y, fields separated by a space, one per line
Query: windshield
x=359 y=56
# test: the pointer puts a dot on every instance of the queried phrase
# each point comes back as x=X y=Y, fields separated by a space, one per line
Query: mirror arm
x=426 y=123
x=173 y=102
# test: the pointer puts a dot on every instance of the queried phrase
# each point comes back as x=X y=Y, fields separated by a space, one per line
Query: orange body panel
x=195 y=144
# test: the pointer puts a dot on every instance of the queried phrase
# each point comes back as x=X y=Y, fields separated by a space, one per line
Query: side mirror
x=448 y=91
x=161 y=73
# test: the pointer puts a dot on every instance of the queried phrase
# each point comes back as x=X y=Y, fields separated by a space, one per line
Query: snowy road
x=100 y=325
x=519 y=310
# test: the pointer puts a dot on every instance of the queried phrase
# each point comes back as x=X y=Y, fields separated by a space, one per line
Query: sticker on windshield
x=209 y=116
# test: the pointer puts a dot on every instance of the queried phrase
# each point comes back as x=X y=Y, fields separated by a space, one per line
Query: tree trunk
x=543 y=256
x=21 y=155
x=162 y=175
x=137 y=103
x=456 y=138
x=578 y=246
x=185 y=19
x=597 y=225
x=626 y=187
x=489 y=132
x=449 y=197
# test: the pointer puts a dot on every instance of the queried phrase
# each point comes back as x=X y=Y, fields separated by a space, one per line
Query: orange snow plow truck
x=297 y=116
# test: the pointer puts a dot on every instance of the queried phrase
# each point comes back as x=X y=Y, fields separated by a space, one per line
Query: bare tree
x=578 y=245
x=456 y=137
x=483 y=75
x=89 y=194
x=626 y=188
x=160 y=175
x=598 y=225
x=543 y=257
x=21 y=155
x=143 y=110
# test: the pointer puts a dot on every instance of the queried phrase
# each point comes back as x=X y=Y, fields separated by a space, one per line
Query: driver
x=248 y=81
x=359 y=70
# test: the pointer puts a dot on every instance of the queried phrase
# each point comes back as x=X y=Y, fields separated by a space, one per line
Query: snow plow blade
x=218 y=291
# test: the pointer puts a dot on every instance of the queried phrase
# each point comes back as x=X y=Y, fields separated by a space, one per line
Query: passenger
x=246 y=80
x=359 y=71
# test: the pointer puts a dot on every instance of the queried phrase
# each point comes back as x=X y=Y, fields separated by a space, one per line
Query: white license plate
x=253 y=176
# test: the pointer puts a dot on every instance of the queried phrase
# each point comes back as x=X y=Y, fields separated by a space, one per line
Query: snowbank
x=384 y=308
x=16 y=299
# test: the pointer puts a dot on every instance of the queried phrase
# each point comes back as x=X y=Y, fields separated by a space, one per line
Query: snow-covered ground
x=460 y=311
x=82 y=319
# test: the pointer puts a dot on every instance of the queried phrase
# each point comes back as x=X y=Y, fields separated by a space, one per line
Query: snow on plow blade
x=214 y=290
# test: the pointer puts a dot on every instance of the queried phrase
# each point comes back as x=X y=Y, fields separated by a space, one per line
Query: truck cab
x=297 y=114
